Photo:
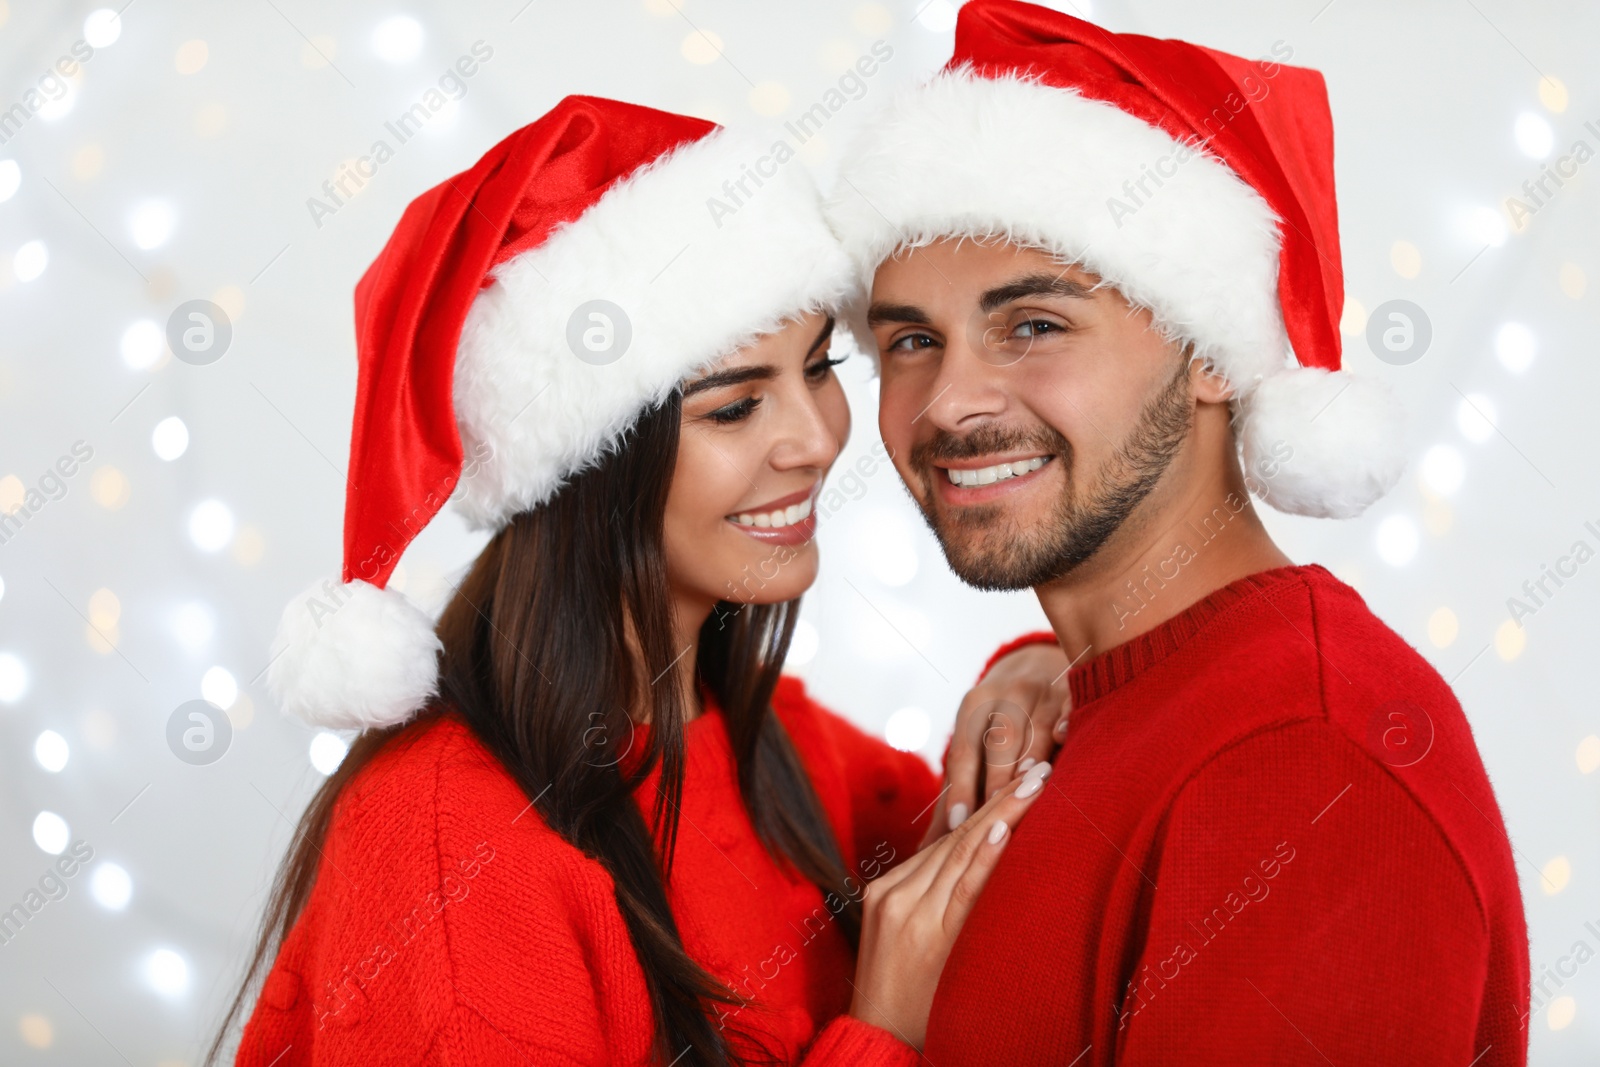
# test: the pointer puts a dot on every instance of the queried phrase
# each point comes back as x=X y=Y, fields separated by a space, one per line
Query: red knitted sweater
x=1269 y=838
x=449 y=925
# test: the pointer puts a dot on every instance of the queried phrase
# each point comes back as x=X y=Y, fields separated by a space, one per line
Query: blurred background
x=156 y=512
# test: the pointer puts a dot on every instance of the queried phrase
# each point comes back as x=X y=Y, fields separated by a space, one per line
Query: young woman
x=587 y=822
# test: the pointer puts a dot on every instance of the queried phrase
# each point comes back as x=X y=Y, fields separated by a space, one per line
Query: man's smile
x=987 y=478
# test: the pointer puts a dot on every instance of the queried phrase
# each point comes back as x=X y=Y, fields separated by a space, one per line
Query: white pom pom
x=1320 y=443
x=352 y=656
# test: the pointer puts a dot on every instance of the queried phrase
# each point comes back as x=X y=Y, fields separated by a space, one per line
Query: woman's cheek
x=836 y=412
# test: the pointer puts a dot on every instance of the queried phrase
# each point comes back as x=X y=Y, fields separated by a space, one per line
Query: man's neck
x=1157 y=565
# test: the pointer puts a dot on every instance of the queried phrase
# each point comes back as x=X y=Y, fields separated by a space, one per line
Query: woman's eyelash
x=735 y=411
x=741 y=409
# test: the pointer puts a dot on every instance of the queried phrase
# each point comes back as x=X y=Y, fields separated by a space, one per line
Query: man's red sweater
x=1269 y=838
x=450 y=926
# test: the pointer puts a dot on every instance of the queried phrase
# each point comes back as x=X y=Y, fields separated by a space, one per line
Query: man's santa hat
x=1198 y=184
x=488 y=370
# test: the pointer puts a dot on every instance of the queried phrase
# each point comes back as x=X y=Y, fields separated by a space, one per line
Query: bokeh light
x=50 y=749
x=30 y=261
x=211 y=525
x=170 y=438
x=398 y=39
x=167 y=972
x=102 y=28
x=143 y=344
x=327 y=752
x=908 y=729
x=111 y=886
x=1398 y=540
x=51 y=833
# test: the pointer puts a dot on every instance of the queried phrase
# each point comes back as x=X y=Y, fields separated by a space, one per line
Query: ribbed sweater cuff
x=848 y=1040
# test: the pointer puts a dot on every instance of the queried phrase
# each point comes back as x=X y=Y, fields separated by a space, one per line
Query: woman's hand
x=1014 y=718
x=912 y=914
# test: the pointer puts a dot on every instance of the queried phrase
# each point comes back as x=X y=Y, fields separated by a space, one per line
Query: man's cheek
x=896 y=415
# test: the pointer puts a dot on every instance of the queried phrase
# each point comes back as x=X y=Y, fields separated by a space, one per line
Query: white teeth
x=998 y=473
x=776 y=519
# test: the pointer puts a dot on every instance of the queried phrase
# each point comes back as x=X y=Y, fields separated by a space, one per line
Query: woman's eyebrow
x=736 y=376
x=761 y=373
x=822 y=336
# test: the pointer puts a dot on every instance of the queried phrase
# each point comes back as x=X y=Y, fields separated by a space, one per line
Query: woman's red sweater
x=449 y=925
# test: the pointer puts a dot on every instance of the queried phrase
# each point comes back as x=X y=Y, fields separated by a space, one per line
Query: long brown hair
x=561 y=625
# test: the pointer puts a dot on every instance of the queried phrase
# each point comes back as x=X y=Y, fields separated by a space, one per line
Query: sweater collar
x=1117 y=666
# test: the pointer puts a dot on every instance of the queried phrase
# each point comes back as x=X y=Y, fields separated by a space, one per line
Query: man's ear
x=1207 y=383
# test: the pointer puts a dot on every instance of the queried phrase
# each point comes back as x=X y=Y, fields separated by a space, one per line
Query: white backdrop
x=148 y=568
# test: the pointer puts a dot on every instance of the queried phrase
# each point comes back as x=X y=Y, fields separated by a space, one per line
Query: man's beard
x=991 y=552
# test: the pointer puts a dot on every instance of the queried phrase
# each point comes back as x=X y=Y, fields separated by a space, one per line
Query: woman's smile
x=787 y=520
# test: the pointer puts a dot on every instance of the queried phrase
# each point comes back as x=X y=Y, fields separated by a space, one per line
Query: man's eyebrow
x=735 y=376
x=1033 y=285
x=878 y=314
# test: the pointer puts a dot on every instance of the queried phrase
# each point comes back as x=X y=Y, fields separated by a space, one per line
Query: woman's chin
x=771 y=574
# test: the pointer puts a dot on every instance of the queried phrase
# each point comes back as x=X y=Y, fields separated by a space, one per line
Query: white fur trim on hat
x=1320 y=443
x=349 y=656
x=702 y=251
x=1011 y=158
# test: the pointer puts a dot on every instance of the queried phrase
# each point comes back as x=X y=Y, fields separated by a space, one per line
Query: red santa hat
x=1198 y=184
x=517 y=323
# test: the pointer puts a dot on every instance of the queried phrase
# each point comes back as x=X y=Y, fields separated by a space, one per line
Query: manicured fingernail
x=997 y=831
x=1033 y=781
x=958 y=815
x=1060 y=728
x=1026 y=765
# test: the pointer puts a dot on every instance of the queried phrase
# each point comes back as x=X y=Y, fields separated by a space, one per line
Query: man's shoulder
x=1373 y=680
x=1363 y=690
x=1312 y=648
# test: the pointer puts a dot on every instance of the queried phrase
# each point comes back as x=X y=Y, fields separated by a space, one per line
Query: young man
x=1269 y=837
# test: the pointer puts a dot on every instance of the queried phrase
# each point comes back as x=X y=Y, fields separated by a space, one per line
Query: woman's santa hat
x=1198 y=184
x=521 y=318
